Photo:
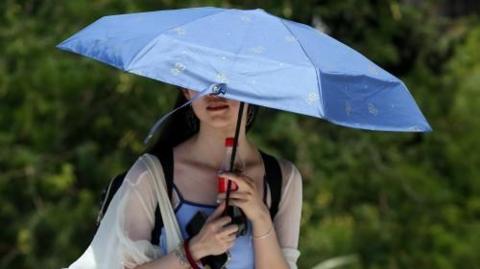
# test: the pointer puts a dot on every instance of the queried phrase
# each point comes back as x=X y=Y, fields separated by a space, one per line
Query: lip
x=216 y=107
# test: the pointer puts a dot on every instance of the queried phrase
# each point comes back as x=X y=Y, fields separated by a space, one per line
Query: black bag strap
x=166 y=160
x=273 y=177
x=108 y=194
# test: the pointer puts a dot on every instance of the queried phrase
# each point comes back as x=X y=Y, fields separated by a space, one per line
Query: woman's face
x=215 y=111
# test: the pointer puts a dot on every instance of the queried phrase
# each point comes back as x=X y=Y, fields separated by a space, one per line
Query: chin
x=219 y=124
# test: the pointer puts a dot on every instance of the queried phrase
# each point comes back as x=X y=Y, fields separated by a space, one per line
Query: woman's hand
x=216 y=236
x=246 y=197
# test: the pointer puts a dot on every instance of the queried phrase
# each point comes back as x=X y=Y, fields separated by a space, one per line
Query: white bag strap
x=170 y=224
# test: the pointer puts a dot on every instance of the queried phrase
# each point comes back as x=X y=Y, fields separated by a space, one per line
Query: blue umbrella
x=253 y=57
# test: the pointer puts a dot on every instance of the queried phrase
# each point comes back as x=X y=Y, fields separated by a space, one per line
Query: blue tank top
x=242 y=252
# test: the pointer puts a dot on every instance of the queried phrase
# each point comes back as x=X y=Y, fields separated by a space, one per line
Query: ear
x=186 y=93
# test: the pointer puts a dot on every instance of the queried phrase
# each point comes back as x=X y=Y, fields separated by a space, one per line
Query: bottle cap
x=229 y=142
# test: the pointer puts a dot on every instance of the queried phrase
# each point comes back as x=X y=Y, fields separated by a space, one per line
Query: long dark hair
x=183 y=124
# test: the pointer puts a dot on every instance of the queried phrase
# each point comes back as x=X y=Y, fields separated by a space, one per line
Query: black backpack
x=273 y=177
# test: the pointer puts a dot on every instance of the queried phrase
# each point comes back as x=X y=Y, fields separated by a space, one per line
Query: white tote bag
x=111 y=248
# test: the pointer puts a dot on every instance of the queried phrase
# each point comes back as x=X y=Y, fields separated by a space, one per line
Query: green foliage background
x=392 y=200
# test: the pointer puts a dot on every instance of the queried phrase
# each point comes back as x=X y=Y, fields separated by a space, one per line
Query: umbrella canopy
x=262 y=59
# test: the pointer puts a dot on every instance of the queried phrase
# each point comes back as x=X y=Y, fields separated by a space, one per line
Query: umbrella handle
x=234 y=151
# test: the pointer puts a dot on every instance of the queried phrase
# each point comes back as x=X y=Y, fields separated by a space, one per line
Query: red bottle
x=223 y=182
x=238 y=217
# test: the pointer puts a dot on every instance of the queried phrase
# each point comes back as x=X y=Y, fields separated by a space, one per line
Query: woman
x=197 y=137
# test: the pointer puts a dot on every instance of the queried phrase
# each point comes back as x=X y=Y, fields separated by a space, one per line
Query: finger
x=218 y=212
x=238 y=203
x=242 y=181
x=229 y=244
x=231 y=238
x=234 y=195
x=219 y=223
x=229 y=230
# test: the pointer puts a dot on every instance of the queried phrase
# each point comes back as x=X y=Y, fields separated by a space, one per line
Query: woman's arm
x=172 y=260
x=268 y=253
x=288 y=218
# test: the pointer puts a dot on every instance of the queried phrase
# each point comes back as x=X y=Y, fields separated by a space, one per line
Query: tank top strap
x=177 y=191
x=177 y=198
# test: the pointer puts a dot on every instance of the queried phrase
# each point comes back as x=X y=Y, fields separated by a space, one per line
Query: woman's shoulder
x=291 y=191
x=289 y=169
x=139 y=171
x=291 y=175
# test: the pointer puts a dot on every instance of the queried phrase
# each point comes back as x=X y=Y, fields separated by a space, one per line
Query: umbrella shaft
x=228 y=209
x=237 y=131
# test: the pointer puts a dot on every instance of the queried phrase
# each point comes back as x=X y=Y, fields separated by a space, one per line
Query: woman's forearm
x=170 y=261
x=177 y=259
x=268 y=253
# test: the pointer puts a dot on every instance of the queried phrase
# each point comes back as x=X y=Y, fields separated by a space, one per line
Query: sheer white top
x=123 y=237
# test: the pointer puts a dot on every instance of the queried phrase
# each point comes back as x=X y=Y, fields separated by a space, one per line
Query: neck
x=208 y=145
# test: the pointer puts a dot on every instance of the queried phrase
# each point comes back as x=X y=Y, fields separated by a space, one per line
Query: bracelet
x=190 y=259
x=180 y=254
x=267 y=234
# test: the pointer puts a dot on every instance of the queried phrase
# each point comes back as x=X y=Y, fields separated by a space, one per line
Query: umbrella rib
x=242 y=45
x=148 y=46
x=310 y=59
